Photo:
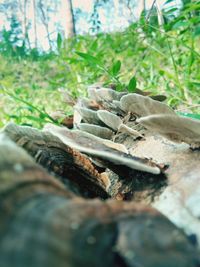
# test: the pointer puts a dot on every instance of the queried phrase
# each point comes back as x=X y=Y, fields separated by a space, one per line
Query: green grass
x=161 y=62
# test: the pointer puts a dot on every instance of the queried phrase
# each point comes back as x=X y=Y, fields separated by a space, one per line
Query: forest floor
x=160 y=62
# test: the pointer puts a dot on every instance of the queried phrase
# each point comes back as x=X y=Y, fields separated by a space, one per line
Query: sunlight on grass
x=165 y=62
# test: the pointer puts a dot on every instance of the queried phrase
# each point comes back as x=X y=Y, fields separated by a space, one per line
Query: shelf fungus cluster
x=119 y=147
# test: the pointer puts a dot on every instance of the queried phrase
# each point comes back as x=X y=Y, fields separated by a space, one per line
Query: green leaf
x=197 y=31
x=94 y=45
x=132 y=84
x=190 y=115
x=171 y=10
x=192 y=7
x=59 y=41
x=34 y=118
x=168 y=1
x=196 y=83
x=116 y=67
x=181 y=24
x=87 y=57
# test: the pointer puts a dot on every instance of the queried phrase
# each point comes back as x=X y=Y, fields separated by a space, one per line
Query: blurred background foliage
x=158 y=52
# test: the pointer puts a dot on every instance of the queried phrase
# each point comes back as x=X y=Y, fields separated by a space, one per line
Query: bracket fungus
x=94 y=146
x=116 y=104
x=115 y=123
x=175 y=128
x=104 y=94
x=109 y=119
x=96 y=130
x=143 y=105
x=88 y=115
x=85 y=137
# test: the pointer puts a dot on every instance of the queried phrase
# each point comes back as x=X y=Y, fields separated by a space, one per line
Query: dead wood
x=74 y=169
x=176 y=196
x=180 y=197
x=43 y=224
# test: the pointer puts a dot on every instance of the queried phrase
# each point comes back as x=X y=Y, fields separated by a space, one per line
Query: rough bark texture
x=179 y=200
x=70 y=26
x=44 y=224
x=75 y=168
x=72 y=168
x=176 y=197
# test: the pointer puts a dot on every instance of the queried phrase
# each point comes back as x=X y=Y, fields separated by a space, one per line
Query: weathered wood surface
x=18 y=170
x=175 y=191
x=72 y=166
x=179 y=200
x=74 y=169
x=44 y=224
x=176 y=194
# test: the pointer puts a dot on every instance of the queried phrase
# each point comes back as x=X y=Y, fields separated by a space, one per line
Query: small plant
x=161 y=60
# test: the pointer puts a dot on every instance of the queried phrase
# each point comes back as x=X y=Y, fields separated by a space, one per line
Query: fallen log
x=174 y=193
x=76 y=168
x=71 y=167
x=44 y=224
x=152 y=131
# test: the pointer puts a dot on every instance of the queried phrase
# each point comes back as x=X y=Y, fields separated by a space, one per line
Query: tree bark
x=35 y=23
x=23 y=8
x=70 y=21
x=45 y=21
x=43 y=224
x=73 y=169
x=141 y=7
x=173 y=192
x=159 y=14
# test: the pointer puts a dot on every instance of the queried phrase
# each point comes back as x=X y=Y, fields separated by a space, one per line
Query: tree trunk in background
x=116 y=6
x=24 y=21
x=159 y=14
x=141 y=7
x=144 y=5
x=44 y=18
x=26 y=25
x=70 y=25
x=35 y=23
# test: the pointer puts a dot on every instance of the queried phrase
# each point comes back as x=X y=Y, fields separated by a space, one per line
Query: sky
x=108 y=23
x=87 y=4
x=116 y=22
